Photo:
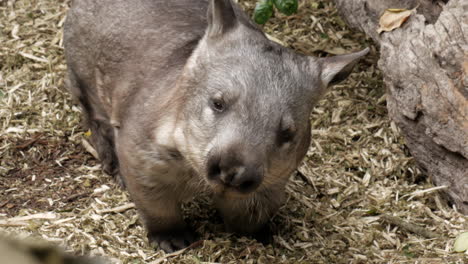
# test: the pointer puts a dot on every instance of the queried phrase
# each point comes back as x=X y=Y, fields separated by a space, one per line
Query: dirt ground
x=356 y=175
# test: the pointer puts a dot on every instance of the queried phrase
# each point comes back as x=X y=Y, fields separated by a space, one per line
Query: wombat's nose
x=244 y=180
x=239 y=177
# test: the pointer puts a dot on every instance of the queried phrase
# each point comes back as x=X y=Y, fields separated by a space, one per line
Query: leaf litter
x=358 y=197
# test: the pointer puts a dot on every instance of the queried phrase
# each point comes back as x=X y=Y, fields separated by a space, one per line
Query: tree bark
x=425 y=69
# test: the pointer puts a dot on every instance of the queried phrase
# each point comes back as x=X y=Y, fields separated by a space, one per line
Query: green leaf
x=263 y=11
x=287 y=7
x=407 y=252
x=1 y=94
x=373 y=212
x=461 y=243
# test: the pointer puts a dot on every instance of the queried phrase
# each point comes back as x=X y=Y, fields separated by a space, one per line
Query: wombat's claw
x=120 y=180
x=172 y=241
x=114 y=171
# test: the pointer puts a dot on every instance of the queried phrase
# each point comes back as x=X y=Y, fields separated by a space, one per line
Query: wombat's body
x=35 y=251
x=183 y=97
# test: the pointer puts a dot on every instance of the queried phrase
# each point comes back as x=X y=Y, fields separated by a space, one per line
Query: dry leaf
x=461 y=243
x=393 y=18
x=87 y=133
x=270 y=37
x=396 y=10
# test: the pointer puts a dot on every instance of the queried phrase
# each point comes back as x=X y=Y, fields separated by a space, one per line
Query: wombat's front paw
x=264 y=235
x=171 y=241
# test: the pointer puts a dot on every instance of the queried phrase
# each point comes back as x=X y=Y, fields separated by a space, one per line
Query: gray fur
x=147 y=74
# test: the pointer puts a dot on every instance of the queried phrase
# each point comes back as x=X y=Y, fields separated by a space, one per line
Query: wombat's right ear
x=221 y=17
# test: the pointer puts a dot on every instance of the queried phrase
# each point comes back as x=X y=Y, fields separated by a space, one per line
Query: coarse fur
x=186 y=96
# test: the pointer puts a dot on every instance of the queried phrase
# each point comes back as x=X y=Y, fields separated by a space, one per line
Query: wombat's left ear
x=221 y=17
x=335 y=69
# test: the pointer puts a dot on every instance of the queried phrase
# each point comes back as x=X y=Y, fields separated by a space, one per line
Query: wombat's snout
x=234 y=172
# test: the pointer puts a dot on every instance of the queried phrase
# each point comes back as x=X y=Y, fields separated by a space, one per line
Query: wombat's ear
x=221 y=17
x=335 y=69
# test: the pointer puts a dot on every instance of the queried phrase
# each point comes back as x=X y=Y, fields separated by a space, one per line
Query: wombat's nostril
x=247 y=182
x=247 y=186
x=246 y=179
x=231 y=175
x=238 y=177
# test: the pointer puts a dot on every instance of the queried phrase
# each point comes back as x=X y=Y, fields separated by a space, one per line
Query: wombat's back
x=126 y=23
x=117 y=36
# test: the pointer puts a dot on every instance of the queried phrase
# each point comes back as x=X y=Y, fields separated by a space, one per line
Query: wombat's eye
x=285 y=136
x=218 y=105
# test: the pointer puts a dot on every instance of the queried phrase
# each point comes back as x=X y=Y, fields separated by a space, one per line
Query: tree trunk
x=425 y=69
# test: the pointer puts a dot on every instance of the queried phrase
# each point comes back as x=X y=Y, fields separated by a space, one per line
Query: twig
x=303 y=177
x=4 y=223
x=419 y=230
x=284 y=243
x=302 y=174
x=20 y=221
x=29 y=142
x=177 y=253
x=4 y=203
x=32 y=57
x=270 y=37
x=118 y=209
x=89 y=148
x=422 y=192
x=77 y=196
x=48 y=215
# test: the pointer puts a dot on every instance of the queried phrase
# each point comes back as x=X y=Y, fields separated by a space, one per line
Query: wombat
x=35 y=251
x=187 y=96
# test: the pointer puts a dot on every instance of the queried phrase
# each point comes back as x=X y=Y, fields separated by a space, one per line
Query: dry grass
x=357 y=174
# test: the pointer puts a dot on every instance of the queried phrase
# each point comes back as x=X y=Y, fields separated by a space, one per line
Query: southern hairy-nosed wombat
x=34 y=251
x=188 y=96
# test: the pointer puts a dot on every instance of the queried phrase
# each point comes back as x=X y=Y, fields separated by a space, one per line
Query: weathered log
x=425 y=69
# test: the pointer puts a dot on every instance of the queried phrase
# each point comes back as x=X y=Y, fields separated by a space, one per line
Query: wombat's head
x=247 y=103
